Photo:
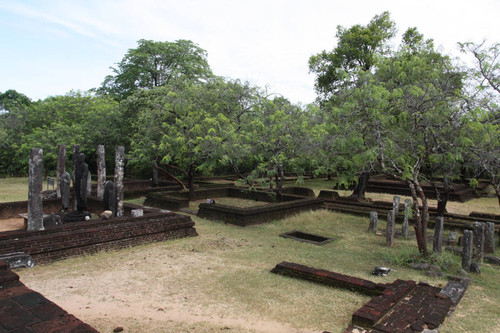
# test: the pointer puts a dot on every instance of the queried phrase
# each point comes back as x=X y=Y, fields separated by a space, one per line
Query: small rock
x=475 y=268
x=106 y=214
x=118 y=329
x=137 y=212
x=433 y=273
x=420 y=266
x=462 y=272
x=381 y=271
x=87 y=218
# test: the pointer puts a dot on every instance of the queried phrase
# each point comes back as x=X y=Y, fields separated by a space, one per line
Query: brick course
x=24 y=310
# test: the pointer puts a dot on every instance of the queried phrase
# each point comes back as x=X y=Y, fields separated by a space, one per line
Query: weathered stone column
x=395 y=206
x=35 y=184
x=478 y=243
x=390 y=229
x=489 y=237
x=154 y=180
x=76 y=154
x=373 y=222
x=109 y=198
x=119 y=166
x=407 y=215
x=101 y=171
x=61 y=167
x=467 y=250
x=437 y=244
x=65 y=191
x=89 y=183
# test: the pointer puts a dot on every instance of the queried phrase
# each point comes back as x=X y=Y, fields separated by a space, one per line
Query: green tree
x=400 y=118
x=189 y=127
x=483 y=101
x=14 y=107
x=279 y=140
x=75 y=118
x=154 y=64
x=357 y=50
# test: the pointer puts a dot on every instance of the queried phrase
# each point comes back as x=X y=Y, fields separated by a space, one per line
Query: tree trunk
x=496 y=186
x=442 y=198
x=421 y=216
x=191 y=185
x=239 y=175
x=359 y=191
x=172 y=176
x=280 y=176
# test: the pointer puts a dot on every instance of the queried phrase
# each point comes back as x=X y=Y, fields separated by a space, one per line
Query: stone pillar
x=373 y=222
x=76 y=154
x=109 y=198
x=390 y=229
x=101 y=171
x=35 y=200
x=89 y=183
x=395 y=206
x=437 y=244
x=154 y=180
x=407 y=215
x=489 y=237
x=467 y=250
x=65 y=191
x=478 y=243
x=61 y=167
x=119 y=166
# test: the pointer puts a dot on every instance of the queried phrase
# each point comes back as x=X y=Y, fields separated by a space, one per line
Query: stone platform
x=402 y=306
x=24 y=310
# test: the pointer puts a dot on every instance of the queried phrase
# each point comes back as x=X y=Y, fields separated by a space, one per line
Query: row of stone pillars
x=35 y=183
x=475 y=243
x=391 y=220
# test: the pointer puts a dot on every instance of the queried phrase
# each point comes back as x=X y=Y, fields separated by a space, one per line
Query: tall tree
x=190 y=127
x=401 y=118
x=14 y=108
x=483 y=100
x=279 y=140
x=154 y=64
x=356 y=50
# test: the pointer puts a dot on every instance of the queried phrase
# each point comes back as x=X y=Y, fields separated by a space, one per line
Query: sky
x=50 y=47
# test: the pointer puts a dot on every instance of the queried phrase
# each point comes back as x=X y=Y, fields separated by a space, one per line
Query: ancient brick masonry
x=328 y=278
x=24 y=310
x=89 y=237
x=402 y=306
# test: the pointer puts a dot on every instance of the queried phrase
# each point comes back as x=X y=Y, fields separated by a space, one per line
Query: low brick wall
x=24 y=310
x=178 y=200
x=77 y=238
x=258 y=214
x=328 y=278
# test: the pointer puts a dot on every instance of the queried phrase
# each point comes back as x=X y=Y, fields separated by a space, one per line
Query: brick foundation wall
x=328 y=278
x=256 y=215
x=88 y=237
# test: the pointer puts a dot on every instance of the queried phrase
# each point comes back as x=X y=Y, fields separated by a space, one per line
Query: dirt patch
x=16 y=223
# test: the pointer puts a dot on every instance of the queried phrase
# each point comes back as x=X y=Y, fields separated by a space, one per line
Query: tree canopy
x=154 y=64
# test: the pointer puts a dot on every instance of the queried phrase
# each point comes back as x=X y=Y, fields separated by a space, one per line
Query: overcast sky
x=51 y=47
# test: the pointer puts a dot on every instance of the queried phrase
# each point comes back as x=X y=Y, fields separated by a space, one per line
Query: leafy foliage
x=154 y=64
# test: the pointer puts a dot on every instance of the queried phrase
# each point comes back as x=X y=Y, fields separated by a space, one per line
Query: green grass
x=13 y=189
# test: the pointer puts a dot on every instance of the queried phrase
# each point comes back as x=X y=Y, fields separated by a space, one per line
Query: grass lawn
x=221 y=280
